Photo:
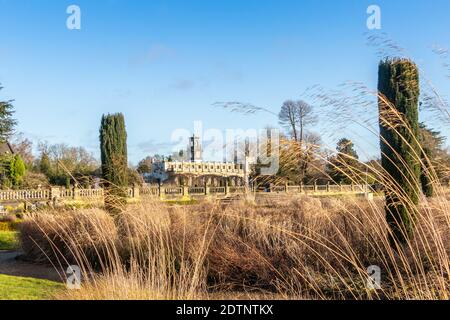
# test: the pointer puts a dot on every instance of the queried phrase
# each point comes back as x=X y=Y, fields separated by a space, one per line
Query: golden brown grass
x=301 y=248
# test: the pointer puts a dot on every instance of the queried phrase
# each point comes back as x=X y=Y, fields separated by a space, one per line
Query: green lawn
x=18 y=288
x=8 y=240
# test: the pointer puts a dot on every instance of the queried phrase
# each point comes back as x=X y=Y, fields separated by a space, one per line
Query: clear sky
x=163 y=63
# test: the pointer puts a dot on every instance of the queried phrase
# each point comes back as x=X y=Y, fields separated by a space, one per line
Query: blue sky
x=163 y=63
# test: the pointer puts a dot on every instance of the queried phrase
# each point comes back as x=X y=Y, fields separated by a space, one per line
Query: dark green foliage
x=435 y=159
x=431 y=139
x=145 y=166
x=113 y=148
x=68 y=183
x=7 y=122
x=398 y=86
x=344 y=168
x=64 y=165
x=44 y=164
x=425 y=180
x=12 y=171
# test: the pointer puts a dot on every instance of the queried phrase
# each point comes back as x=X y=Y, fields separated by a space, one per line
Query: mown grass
x=8 y=240
x=20 y=288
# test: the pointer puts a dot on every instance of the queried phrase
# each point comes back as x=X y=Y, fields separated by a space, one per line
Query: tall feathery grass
x=294 y=248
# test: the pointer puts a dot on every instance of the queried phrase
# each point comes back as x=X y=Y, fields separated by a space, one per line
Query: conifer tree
x=7 y=122
x=398 y=86
x=113 y=149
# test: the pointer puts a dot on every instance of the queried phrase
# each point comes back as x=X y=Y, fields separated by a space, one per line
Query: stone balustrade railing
x=13 y=195
x=180 y=191
x=172 y=192
x=49 y=194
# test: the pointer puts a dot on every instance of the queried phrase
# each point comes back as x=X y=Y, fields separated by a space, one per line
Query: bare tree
x=24 y=147
x=296 y=116
x=288 y=118
x=308 y=156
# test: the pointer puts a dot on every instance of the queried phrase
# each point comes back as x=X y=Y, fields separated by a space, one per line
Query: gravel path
x=12 y=265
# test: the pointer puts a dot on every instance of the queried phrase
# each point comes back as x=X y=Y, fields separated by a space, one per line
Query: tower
x=195 y=149
x=236 y=152
x=241 y=150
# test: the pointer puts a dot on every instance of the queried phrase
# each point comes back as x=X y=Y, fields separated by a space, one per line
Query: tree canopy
x=7 y=122
x=344 y=166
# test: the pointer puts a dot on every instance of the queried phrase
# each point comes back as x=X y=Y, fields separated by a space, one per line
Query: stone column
x=74 y=191
x=227 y=189
x=206 y=188
x=161 y=191
x=185 y=190
x=55 y=195
x=135 y=192
x=55 y=192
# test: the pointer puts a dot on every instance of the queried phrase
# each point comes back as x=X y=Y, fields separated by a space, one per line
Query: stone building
x=195 y=149
x=196 y=172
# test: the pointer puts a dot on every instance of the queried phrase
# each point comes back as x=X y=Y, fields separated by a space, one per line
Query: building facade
x=196 y=172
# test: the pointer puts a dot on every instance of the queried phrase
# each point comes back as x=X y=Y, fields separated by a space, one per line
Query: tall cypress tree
x=113 y=148
x=398 y=86
x=7 y=122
